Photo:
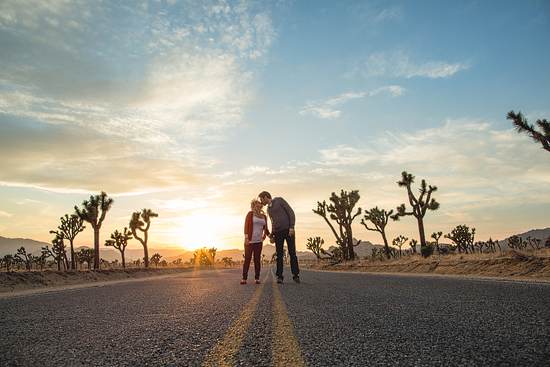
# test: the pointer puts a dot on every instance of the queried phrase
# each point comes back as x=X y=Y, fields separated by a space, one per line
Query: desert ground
x=530 y=265
x=533 y=265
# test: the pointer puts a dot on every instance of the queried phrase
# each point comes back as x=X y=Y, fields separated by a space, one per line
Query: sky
x=192 y=108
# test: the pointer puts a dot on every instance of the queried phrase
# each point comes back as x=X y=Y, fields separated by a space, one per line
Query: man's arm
x=291 y=216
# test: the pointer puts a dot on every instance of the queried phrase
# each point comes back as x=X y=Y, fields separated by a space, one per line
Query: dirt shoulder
x=18 y=283
x=510 y=265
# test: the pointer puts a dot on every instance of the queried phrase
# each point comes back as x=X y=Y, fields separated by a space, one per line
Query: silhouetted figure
x=282 y=228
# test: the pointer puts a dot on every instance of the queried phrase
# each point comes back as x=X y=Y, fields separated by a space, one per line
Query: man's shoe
x=296 y=279
x=257 y=281
x=279 y=279
x=243 y=281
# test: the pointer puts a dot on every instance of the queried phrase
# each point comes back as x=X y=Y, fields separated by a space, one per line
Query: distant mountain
x=9 y=246
x=534 y=233
x=362 y=249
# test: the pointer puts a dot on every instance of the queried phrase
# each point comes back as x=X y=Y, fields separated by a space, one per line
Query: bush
x=427 y=250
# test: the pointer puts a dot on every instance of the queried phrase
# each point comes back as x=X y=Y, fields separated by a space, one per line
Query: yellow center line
x=226 y=350
x=285 y=349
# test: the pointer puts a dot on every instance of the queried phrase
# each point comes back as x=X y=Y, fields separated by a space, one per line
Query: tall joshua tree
x=141 y=221
x=419 y=205
x=378 y=217
x=94 y=211
x=521 y=125
x=69 y=228
x=341 y=210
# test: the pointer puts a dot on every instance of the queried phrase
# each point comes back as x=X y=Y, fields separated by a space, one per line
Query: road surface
x=206 y=318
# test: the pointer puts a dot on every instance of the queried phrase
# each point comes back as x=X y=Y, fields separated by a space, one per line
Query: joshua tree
x=341 y=210
x=120 y=241
x=378 y=217
x=86 y=255
x=26 y=258
x=204 y=257
x=516 y=243
x=90 y=212
x=155 y=259
x=41 y=260
x=315 y=245
x=399 y=242
x=57 y=252
x=7 y=260
x=463 y=238
x=137 y=222
x=419 y=206
x=413 y=244
x=69 y=228
x=534 y=242
x=522 y=125
x=436 y=237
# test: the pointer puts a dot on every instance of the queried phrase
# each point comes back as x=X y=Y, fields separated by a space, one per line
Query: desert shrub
x=377 y=254
x=427 y=250
x=447 y=249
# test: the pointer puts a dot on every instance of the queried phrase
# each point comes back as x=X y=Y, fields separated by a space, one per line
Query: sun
x=198 y=232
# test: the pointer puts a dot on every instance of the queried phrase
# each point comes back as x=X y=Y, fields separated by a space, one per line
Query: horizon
x=191 y=109
x=133 y=247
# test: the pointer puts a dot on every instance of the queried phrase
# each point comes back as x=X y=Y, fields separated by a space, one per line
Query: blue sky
x=192 y=108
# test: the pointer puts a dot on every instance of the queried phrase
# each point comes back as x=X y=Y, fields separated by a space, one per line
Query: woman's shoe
x=256 y=281
x=243 y=281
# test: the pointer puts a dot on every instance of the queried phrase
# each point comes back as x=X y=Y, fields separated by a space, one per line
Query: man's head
x=265 y=197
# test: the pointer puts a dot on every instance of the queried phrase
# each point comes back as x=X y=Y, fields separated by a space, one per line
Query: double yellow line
x=285 y=348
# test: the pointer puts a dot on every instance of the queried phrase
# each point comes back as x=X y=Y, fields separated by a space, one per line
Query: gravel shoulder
x=19 y=283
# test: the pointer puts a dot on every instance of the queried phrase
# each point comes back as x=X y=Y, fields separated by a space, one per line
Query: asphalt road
x=331 y=319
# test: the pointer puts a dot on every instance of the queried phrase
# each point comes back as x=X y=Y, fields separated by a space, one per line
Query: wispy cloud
x=399 y=64
x=393 y=90
x=108 y=98
x=473 y=162
x=326 y=108
x=371 y=16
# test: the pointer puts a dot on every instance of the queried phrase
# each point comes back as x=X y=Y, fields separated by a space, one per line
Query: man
x=282 y=228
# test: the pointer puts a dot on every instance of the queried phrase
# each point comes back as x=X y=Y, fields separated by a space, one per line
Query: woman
x=255 y=231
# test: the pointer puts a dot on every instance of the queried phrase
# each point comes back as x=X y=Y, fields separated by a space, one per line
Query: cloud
x=472 y=162
x=89 y=100
x=320 y=112
x=370 y=16
x=325 y=109
x=343 y=155
x=393 y=90
x=398 y=64
x=344 y=98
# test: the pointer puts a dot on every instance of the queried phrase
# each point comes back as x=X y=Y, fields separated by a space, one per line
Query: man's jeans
x=280 y=238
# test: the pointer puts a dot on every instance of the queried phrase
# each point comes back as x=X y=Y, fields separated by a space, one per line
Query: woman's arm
x=248 y=228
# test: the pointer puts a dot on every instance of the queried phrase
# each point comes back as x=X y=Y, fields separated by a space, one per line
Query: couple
x=282 y=227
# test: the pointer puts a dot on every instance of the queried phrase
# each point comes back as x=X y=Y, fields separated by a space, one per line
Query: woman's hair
x=254 y=208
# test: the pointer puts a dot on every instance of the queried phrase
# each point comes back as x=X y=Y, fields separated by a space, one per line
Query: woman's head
x=256 y=206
